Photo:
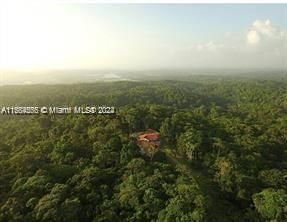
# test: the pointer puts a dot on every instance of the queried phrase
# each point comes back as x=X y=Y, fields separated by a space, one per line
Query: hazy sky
x=68 y=36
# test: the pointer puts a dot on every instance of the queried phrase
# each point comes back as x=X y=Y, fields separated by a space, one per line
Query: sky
x=49 y=36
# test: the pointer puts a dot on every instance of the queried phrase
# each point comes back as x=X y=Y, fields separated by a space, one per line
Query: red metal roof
x=150 y=136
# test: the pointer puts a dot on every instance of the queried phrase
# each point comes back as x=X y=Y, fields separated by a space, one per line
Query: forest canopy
x=223 y=154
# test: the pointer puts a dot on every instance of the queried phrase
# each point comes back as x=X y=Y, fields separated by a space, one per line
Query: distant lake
x=18 y=78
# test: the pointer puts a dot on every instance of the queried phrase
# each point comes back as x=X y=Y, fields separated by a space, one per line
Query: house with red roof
x=149 y=142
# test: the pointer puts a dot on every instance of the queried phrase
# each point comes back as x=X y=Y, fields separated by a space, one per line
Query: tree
x=271 y=204
x=57 y=206
x=187 y=205
x=190 y=144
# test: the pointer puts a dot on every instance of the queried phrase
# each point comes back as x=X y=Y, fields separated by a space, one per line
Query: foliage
x=87 y=168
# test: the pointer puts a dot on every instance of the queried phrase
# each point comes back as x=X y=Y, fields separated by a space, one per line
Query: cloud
x=210 y=46
x=263 y=45
x=265 y=32
x=253 y=37
x=265 y=28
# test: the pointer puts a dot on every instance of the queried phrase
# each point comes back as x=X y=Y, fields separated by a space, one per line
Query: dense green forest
x=223 y=152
